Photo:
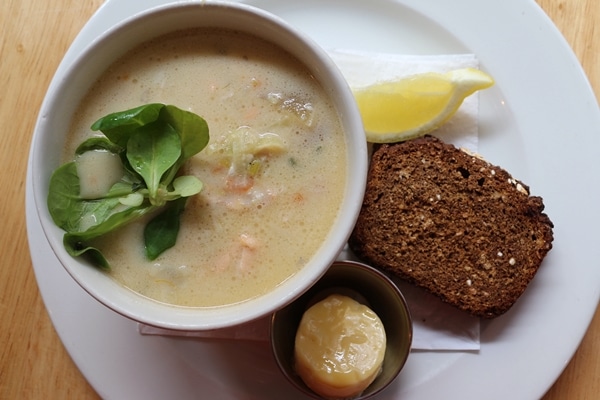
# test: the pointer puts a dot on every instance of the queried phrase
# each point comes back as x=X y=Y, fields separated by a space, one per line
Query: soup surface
x=274 y=171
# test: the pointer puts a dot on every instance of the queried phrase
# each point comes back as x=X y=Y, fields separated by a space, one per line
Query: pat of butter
x=340 y=346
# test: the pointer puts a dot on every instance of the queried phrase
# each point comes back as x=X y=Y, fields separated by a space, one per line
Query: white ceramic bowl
x=63 y=98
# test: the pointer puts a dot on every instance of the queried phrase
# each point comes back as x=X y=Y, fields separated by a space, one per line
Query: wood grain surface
x=34 y=37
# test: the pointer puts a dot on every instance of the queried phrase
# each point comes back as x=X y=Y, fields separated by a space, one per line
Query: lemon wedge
x=412 y=106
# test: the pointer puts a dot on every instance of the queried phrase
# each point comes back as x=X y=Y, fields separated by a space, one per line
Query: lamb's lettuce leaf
x=153 y=142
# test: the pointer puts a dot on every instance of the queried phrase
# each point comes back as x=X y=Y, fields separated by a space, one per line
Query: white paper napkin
x=436 y=326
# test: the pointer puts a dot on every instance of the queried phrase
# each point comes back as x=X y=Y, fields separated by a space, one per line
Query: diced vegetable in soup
x=274 y=171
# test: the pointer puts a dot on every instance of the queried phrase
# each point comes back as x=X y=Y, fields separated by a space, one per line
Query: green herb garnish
x=153 y=142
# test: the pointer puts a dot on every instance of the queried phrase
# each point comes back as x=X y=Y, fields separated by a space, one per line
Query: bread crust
x=448 y=221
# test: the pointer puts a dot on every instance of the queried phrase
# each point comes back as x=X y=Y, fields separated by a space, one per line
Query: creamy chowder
x=274 y=171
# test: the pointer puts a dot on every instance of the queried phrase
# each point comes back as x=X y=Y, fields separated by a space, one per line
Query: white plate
x=541 y=122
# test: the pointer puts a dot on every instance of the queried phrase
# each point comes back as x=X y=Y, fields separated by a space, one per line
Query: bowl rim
x=133 y=305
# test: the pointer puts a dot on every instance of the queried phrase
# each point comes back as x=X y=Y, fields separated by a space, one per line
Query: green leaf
x=122 y=188
x=153 y=141
x=63 y=197
x=152 y=150
x=192 y=129
x=74 y=214
x=98 y=143
x=118 y=126
x=111 y=223
x=187 y=185
x=78 y=249
x=93 y=213
x=77 y=243
x=161 y=232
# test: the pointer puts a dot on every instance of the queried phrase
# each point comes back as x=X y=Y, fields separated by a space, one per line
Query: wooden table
x=34 y=37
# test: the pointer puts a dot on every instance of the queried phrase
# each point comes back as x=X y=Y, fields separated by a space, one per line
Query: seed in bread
x=449 y=222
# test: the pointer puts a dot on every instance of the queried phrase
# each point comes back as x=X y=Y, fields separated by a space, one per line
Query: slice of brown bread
x=453 y=224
